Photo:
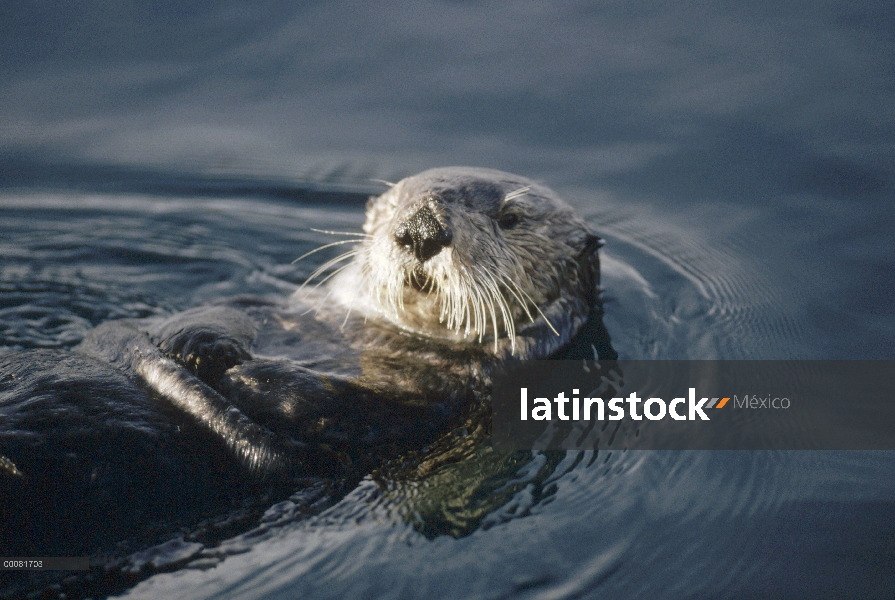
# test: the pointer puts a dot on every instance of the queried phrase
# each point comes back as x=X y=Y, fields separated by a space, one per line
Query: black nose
x=423 y=234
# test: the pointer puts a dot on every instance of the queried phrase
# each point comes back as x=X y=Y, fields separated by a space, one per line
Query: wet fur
x=338 y=379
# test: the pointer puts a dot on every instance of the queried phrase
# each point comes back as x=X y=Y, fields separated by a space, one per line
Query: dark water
x=738 y=162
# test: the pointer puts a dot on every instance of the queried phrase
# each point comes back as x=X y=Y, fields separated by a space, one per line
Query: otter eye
x=508 y=221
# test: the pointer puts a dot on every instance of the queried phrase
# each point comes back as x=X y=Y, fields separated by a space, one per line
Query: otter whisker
x=393 y=292
x=322 y=268
x=449 y=308
x=354 y=233
x=422 y=285
x=537 y=308
x=470 y=308
x=331 y=275
x=508 y=321
x=466 y=302
x=515 y=194
x=460 y=313
x=460 y=316
x=446 y=312
x=489 y=299
x=347 y=314
x=432 y=287
x=388 y=183
x=316 y=307
x=323 y=247
x=509 y=285
x=399 y=292
x=472 y=315
x=481 y=317
x=365 y=273
x=481 y=323
x=467 y=310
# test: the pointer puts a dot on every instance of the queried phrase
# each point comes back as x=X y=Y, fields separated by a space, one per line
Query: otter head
x=480 y=255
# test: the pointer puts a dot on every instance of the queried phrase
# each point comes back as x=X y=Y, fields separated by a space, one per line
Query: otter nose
x=423 y=234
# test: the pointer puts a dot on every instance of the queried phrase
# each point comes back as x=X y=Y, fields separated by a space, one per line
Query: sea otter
x=456 y=272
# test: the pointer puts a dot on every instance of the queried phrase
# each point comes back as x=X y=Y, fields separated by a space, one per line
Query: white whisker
x=510 y=284
x=515 y=194
x=537 y=308
x=327 y=265
x=481 y=321
x=347 y=314
x=317 y=306
x=508 y=321
x=354 y=233
x=331 y=275
x=488 y=299
x=315 y=250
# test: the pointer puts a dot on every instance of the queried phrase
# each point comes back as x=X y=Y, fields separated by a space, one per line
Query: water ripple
x=691 y=298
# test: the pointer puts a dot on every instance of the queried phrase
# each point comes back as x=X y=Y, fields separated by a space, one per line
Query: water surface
x=736 y=159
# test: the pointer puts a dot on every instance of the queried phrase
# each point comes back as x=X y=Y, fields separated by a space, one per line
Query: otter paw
x=209 y=356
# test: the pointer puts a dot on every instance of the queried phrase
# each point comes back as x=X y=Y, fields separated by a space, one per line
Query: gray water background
x=737 y=159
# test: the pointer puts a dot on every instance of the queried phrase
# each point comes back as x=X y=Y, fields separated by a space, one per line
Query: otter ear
x=589 y=269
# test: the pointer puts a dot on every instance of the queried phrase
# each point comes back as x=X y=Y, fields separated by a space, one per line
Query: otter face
x=474 y=253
